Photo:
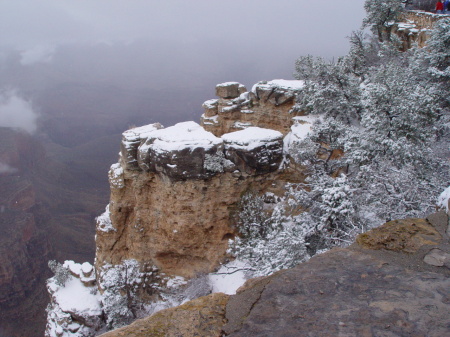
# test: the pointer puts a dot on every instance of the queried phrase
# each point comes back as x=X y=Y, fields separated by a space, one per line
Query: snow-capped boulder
x=254 y=150
x=277 y=92
x=211 y=107
x=229 y=89
x=131 y=139
x=179 y=151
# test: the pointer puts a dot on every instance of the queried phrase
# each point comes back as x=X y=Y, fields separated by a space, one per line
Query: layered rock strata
x=268 y=105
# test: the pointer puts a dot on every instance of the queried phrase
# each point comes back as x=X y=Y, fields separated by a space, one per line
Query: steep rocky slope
x=45 y=213
x=393 y=281
x=175 y=191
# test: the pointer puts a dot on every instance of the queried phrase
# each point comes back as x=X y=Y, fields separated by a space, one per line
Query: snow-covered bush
x=378 y=149
x=120 y=285
x=62 y=274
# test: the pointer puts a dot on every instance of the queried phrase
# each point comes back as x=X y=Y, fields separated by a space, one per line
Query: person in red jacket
x=439 y=7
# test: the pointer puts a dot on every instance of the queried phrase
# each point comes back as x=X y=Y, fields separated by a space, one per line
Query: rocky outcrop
x=414 y=27
x=173 y=209
x=383 y=285
x=175 y=192
x=24 y=245
x=268 y=105
x=204 y=316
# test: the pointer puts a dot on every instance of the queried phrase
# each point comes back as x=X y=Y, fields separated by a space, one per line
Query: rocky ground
x=394 y=281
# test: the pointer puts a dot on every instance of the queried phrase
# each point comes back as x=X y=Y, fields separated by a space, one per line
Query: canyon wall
x=175 y=195
x=174 y=190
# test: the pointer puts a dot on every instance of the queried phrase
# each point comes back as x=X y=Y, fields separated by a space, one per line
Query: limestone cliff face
x=174 y=190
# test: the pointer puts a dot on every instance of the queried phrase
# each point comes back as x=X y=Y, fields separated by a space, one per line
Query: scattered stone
x=437 y=258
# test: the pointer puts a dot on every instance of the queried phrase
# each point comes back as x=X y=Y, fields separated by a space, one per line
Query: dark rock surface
x=354 y=291
x=380 y=287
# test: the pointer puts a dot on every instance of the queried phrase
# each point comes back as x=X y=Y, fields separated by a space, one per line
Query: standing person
x=439 y=7
x=446 y=4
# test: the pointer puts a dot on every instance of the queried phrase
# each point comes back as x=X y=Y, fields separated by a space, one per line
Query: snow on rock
x=211 y=107
x=75 y=308
x=251 y=138
x=287 y=84
x=115 y=176
x=228 y=278
x=229 y=89
x=444 y=199
x=277 y=92
x=75 y=297
x=254 y=150
x=104 y=223
x=179 y=151
x=299 y=130
x=131 y=139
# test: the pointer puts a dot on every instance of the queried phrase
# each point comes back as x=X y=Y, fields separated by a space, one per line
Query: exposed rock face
x=364 y=290
x=175 y=190
x=267 y=105
x=173 y=210
x=415 y=26
x=24 y=245
x=204 y=316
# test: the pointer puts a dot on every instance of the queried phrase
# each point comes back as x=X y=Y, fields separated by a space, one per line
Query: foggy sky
x=305 y=26
x=16 y=112
x=149 y=44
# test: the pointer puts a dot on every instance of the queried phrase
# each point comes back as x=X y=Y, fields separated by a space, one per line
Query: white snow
x=226 y=84
x=251 y=137
x=115 y=176
x=75 y=268
x=141 y=132
x=443 y=199
x=241 y=125
x=74 y=296
x=280 y=83
x=287 y=84
x=104 y=221
x=176 y=282
x=210 y=120
x=210 y=104
x=181 y=136
x=86 y=268
x=228 y=278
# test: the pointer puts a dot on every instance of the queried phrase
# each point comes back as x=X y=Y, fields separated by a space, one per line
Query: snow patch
x=251 y=137
x=76 y=297
x=443 y=199
x=180 y=136
x=104 y=223
x=228 y=278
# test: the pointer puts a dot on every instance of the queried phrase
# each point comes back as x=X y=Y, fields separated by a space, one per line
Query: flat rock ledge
x=383 y=285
